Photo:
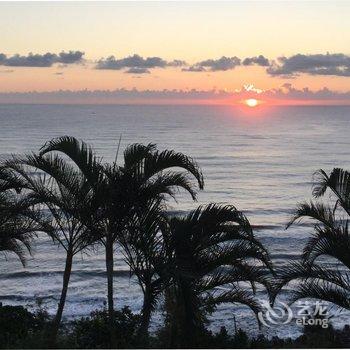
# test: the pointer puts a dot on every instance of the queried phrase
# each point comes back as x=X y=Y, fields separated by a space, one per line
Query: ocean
x=261 y=160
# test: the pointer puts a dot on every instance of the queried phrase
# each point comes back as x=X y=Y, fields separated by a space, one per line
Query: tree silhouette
x=330 y=241
x=54 y=187
x=213 y=252
x=120 y=191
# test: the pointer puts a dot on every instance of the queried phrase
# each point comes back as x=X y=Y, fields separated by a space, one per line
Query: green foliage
x=93 y=331
x=18 y=326
x=22 y=329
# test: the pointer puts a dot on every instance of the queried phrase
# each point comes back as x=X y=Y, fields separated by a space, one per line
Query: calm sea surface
x=260 y=160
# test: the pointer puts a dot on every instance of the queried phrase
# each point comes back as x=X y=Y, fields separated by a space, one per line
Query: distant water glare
x=261 y=160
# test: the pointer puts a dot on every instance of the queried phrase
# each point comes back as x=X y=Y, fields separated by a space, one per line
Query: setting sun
x=251 y=102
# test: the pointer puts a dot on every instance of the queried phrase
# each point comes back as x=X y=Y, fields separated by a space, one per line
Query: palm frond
x=79 y=152
x=332 y=242
x=236 y=296
x=322 y=290
x=338 y=182
x=160 y=161
x=135 y=155
x=316 y=211
x=168 y=183
x=301 y=271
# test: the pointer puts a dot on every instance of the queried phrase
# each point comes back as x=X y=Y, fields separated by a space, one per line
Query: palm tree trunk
x=109 y=269
x=145 y=315
x=58 y=317
x=187 y=322
x=172 y=318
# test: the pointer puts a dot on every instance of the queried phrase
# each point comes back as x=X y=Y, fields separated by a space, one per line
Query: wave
x=78 y=273
x=267 y=227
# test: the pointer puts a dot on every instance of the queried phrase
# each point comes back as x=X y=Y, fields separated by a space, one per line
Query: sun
x=251 y=102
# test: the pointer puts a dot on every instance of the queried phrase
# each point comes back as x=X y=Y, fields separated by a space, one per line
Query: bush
x=93 y=331
x=20 y=328
x=17 y=325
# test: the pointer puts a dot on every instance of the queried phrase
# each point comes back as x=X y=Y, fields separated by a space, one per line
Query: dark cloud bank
x=328 y=64
x=284 y=93
x=226 y=63
x=136 y=64
x=289 y=67
x=319 y=64
x=37 y=60
x=222 y=64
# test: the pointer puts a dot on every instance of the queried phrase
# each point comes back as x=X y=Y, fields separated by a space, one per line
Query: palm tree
x=120 y=191
x=330 y=241
x=145 y=253
x=50 y=182
x=213 y=250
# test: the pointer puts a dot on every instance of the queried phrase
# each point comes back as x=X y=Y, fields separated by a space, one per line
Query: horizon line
x=171 y=104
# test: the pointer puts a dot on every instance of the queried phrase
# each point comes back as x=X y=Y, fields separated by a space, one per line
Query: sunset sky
x=289 y=51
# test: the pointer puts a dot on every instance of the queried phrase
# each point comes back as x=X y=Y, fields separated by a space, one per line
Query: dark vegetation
x=190 y=264
x=23 y=329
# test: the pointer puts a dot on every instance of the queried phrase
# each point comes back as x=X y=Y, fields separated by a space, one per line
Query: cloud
x=288 y=92
x=288 y=67
x=221 y=64
x=136 y=63
x=329 y=64
x=194 y=69
x=137 y=70
x=46 y=60
x=70 y=57
x=36 y=60
x=226 y=63
x=256 y=60
x=177 y=63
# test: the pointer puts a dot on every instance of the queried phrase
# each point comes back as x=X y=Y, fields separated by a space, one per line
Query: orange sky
x=192 y=32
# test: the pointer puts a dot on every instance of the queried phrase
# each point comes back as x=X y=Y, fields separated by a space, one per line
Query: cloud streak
x=137 y=70
x=285 y=94
x=37 y=60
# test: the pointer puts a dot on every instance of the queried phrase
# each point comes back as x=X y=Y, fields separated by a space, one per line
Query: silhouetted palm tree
x=330 y=241
x=213 y=252
x=140 y=187
x=50 y=183
x=146 y=254
x=121 y=191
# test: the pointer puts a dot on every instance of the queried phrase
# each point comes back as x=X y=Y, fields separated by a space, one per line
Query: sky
x=209 y=52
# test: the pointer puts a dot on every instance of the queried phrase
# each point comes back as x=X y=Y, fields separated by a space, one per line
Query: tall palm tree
x=330 y=241
x=121 y=190
x=213 y=250
x=50 y=183
x=145 y=252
